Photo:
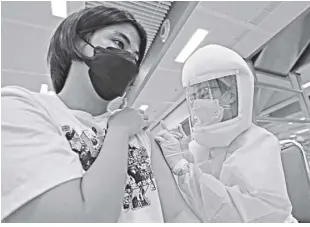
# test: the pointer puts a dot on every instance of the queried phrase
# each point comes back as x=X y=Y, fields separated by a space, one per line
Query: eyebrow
x=127 y=40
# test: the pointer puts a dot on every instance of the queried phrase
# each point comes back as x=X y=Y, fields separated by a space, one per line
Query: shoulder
x=16 y=91
x=260 y=134
x=23 y=108
x=258 y=138
x=15 y=98
x=19 y=96
x=263 y=134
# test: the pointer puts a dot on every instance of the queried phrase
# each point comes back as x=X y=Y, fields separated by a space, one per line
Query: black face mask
x=111 y=71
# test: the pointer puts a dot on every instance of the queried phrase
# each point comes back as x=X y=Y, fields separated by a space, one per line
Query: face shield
x=212 y=101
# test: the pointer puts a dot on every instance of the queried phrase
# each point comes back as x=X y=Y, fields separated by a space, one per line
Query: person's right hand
x=130 y=119
x=172 y=151
x=179 y=134
x=184 y=140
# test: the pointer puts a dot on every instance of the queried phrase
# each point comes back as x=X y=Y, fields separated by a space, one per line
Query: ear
x=80 y=43
x=84 y=47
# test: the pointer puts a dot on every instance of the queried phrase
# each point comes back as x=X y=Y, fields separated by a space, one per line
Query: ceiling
x=25 y=37
x=243 y=26
x=149 y=14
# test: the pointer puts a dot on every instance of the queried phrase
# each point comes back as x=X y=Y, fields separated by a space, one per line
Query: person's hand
x=117 y=104
x=129 y=119
x=184 y=140
x=179 y=134
x=172 y=151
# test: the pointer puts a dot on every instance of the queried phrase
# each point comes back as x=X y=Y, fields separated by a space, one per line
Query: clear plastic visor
x=213 y=101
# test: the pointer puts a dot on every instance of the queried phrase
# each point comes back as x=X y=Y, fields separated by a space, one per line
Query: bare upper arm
x=62 y=203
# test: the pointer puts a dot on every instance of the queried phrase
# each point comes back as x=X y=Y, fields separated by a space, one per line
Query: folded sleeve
x=34 y=155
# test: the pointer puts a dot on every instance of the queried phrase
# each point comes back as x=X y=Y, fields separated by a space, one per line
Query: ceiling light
x=59 y=8
x=143 y=107
x=192 y=44
x=290 y=123
x=292 y=136
x=303 y=118
x=302 y=131
x=44 y=88
x=306 y=85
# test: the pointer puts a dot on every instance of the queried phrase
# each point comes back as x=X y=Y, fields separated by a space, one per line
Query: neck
x=78 y=93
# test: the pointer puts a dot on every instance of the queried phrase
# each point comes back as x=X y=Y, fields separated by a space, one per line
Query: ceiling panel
x=221 y=32
x=251 y=42
x=274 y=23
x=24 y=48
x=34 y=12
x=291 y=9
x=279 y=57
x=241 y=10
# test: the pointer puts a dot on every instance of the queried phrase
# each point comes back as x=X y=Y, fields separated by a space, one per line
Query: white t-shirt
x=45 y=144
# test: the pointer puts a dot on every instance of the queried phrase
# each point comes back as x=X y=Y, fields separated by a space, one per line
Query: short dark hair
x=63 y=48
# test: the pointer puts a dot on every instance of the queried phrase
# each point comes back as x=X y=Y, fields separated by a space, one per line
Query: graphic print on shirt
x=140 y=179
x=87 y=145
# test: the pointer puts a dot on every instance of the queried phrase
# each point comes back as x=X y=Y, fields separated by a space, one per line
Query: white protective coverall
x=237 y=173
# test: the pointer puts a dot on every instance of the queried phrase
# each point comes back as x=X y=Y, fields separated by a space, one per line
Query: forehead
x=126 y=28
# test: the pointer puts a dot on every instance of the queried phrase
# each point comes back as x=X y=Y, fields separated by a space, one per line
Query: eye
x=119 y=43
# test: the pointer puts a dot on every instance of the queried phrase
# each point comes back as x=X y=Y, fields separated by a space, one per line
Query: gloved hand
x=184 y=140
x=172 y=151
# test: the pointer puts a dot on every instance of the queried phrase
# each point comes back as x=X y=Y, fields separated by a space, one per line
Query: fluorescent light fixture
x=192 y=44
x=44 y=88
x=292 y=136
x=290 y=123
x=59 y=8
x=302 y=131
x=306 y=85
x=144 y=107
x=303 y=118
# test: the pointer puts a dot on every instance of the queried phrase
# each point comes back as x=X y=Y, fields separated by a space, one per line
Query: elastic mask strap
x=86 y=41
x=210 y=91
